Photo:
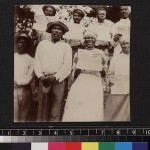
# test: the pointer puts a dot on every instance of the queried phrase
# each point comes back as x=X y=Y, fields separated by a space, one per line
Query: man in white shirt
x=121 y=28
x=53 y=61
x=23 y=75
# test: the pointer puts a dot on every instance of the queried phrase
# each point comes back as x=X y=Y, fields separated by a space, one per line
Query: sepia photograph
x=72 y=63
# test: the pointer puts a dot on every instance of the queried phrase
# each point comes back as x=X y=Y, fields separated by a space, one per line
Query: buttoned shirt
x=53 y=58
x=23 y=69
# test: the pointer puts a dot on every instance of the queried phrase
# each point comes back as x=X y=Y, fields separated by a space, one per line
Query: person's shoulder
x=109 y=22
x=43 y=42
x=29 y=57
x=64 y=44
x=98 y=50
x=93 y=26
x=118 y=22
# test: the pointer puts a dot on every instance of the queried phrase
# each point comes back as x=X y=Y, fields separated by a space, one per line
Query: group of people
x=67 y=93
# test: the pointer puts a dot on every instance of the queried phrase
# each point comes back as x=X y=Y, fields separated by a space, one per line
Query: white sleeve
x=65 y=70
x=28 y=77
x=37 y=64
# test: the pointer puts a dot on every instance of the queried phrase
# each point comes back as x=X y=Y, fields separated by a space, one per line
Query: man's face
x=124 y=10
x=49 y=11
x=22 y=46
x=125 y=47
x=101 y=15
x=77 y=18
x=56 y=33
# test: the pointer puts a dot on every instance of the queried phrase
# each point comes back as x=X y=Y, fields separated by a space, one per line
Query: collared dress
x=23 y=75
x=85 y=99
x=117 y=106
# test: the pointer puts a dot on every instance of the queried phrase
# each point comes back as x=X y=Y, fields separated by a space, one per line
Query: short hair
x=129 y=8
x=79 y=11
x=101 y=8
x=46 y=6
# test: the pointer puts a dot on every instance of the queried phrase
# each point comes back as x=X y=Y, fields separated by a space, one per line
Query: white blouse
x=119 y=71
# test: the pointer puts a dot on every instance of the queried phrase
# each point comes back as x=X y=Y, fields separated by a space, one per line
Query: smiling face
x=124 y=10
x=125 y=47
x=101 y=15
x=90 y=41
x=56 y=33
x=22 y=46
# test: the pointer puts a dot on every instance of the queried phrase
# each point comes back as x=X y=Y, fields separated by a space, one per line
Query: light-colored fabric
x=22 y=103
x=53 y=58
x=42 y=21
x=123 y=23
x=90 y=59
x=43 y=35
x=23 y=74
x=75 y=31
x=119 y=71
x=117 y=108
x=120 y=23
x=23 y=69
x=95 y=50
x=103 y=30
x=85 y=100
x=106 y=22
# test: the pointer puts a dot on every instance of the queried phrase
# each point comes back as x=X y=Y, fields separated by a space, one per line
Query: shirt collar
x=56 y=42
x=125 y=20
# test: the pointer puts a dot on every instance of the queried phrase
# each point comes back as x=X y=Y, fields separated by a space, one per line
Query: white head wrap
x=89 y=32
x=124 y=39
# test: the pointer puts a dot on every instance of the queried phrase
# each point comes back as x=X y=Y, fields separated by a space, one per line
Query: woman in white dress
x=117 y=106
x=85 y=98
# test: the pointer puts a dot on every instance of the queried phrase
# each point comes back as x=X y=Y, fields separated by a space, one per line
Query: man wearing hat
x=49 y=10
x=53 y=61
x=41 y=22
x=121 y=28
x=23 y=75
